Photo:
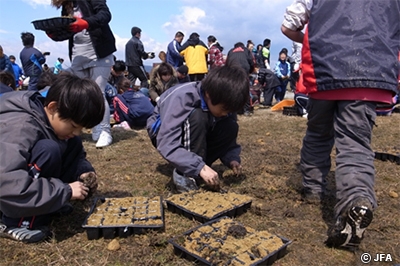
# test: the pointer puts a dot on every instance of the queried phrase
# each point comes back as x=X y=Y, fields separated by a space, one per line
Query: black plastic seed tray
x=201 y=217
x=210 y=233
x=137 y=216
x=384 y=156
x=52 y=23
x=290 y=111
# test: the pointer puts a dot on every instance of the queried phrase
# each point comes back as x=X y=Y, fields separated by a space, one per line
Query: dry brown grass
x=271 y=143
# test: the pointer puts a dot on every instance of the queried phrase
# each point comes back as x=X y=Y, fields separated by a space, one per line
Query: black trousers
x=138 y=72
x=48 y=160
x=210 y=138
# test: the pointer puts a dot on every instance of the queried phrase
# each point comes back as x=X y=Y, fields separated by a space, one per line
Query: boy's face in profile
x=217 y=110
x=64 y=128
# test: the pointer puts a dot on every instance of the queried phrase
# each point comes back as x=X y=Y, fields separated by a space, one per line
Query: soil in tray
x=208 y=204
x=227 y=242
x=126 y=211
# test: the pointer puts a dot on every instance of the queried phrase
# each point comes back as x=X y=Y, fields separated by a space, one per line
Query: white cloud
x=35 y=3
x=3 y=31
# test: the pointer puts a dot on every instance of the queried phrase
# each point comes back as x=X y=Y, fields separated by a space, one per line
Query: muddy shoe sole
x=351 y=234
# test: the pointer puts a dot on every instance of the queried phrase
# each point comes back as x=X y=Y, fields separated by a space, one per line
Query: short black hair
x=28 y=39
x=135 y=30
x=47 y=78
x=266 y=42
x=194 y=36
x=78 y=99
x=7 y=79
x=179 y=34
x=11 y=57
x=227 y=85
x=119 y=65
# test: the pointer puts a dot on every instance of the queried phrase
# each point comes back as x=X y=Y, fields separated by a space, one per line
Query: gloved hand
x=151 y=55
x=79 y=25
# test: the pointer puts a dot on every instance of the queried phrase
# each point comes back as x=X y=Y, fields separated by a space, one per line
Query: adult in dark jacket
x=269 y=82
x=5 y=62
x=239 y=54
x=344 y=80
x=134 y=55
x=91 y=50
x=31 y=60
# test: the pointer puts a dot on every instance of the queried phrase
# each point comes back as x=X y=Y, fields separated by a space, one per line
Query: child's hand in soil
x=89 y=179
x=209 y=176
x=236 y=167
x=79 y=191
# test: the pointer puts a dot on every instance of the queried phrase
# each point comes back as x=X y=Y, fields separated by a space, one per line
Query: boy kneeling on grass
x=194 y=124
x=43 y=163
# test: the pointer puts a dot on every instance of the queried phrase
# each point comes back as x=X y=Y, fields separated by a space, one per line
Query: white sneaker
x=105 y=139
x=96 y=131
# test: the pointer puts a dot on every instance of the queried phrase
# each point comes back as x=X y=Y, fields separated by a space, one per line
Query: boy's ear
x=52 y=107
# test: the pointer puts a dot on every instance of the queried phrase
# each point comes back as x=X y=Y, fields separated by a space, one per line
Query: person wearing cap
x=195 y=52
x=182 y=74
x=17 y=70
x=134 y=55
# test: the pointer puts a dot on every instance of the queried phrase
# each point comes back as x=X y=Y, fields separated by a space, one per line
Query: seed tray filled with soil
x=227 y=242
x=111 y=217
x=57 y=28
x=206 y=206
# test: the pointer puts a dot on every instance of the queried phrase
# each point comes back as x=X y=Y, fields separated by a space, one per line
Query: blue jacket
x=17 y=72
x=174 y=58
x=165 y=124
x=282 y=69
x=5 y=64
x=32 y=60
x=133 y=107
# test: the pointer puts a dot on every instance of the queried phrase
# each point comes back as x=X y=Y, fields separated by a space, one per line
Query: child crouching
x=44 y=164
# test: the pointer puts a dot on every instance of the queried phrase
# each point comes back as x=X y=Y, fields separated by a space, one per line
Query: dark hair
x=238 y=44
x=227 y=85
x=124 y=84
x=47 y=78
x=194 y=36
x=249 y=42
x=78 y=99
x=165 y=69
x=135 y=30
x=28 y=39
x=11 y=57
x=259 y=46
x=284 y=50
x=266 y=42
x=119 y=65
x=60 y=59
x=179 y=34
x=7 y=79
x=211 y=38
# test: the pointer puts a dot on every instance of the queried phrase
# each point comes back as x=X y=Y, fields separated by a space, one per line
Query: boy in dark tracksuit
x=192 y=126
x=344 y=81
x=44 y=164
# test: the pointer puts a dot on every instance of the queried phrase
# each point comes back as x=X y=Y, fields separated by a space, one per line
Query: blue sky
x=229 y=21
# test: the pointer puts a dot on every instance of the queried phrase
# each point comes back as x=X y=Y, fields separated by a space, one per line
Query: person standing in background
x=58 y=66
x=31 y=59
x=17 y=70
x=216 y=58
x=134 y=55
x=195 y=53
x=91 y=50
x=173 y=56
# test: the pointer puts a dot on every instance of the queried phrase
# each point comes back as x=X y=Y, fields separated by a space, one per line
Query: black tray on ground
x=232 y=212
x=290 y=111
x=384 y=156
x=184 y=253
x=123 y=230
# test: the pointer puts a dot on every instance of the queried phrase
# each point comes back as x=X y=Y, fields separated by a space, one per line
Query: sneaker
x=183 y=183
x=247 y=113
x=105 y=139
x=24 y=234
x=349 y=228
